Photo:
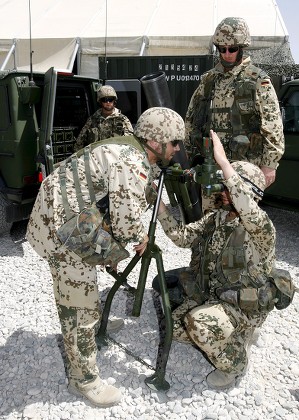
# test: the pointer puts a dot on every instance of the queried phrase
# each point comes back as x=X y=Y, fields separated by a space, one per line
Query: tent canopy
x=62 y=30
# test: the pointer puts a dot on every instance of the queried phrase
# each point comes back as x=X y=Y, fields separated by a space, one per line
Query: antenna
x=106 y=24
x=31 y=82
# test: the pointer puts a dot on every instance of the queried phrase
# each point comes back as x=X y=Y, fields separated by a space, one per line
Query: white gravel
x=32 y=378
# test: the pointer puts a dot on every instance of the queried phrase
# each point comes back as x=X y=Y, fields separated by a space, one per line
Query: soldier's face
x=108 y=104
x=171 y=148
x=229 y=53
x=226 y=200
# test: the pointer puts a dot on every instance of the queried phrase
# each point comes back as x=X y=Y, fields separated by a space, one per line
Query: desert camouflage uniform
x=229 y=99
x=244 y=113
x=125 y=173
x=221 y=328
x=99 y=127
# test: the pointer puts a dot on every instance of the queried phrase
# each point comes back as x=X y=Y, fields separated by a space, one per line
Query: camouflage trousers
x=77 y=299
x=222 y=332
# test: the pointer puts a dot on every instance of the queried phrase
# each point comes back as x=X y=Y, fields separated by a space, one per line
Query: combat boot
x=221 y=380
x=96 y=392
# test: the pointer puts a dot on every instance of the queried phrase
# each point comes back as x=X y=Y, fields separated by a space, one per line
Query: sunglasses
x=231 y=50
x=175 y=142
x=107 y=99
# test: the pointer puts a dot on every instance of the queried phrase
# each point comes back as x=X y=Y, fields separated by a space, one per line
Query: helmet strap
x=257 y=191
x=161 y=156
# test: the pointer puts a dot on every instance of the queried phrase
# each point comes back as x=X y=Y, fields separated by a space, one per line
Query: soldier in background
x=117 y=171
x=106 y=122
x=231 y=284
x=237 y=100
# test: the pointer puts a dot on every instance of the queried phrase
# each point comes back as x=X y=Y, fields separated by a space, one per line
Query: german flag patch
x=142 y=176
x=265 y=83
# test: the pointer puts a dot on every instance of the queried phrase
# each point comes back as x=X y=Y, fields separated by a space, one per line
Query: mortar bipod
x=157 y=380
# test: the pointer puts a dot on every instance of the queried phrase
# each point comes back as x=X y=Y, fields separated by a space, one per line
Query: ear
x=153 y=144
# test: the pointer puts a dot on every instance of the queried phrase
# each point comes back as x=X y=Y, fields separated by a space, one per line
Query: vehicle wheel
x=4 y=225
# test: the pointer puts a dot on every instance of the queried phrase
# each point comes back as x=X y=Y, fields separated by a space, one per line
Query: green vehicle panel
x=285 y=190
x=39 y=122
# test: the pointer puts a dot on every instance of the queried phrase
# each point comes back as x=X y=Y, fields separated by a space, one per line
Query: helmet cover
x=251 y=174
x=106 y=91
x=232 y=31
x=160 y=124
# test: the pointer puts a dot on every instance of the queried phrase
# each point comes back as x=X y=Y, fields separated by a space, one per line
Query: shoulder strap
x=130 y=140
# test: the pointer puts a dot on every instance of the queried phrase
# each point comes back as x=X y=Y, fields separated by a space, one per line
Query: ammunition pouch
x=239 y=146
x=278 y=291
x=93 y=135
x=284 y=286
x=85 y=235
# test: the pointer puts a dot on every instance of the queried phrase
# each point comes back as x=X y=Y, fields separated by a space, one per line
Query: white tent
x=58 y=31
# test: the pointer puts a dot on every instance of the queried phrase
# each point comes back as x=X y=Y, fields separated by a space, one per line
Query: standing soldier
x=238 y=101
x=106 y=122
x=87 y=209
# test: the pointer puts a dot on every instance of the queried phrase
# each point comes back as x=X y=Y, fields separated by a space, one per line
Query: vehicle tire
x=4 y=225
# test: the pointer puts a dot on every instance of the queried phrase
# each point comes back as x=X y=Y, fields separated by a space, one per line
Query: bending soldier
x=231 y=284
x=106 y=122
x=74 y=234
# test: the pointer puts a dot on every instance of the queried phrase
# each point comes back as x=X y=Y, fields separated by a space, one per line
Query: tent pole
x=10 y=52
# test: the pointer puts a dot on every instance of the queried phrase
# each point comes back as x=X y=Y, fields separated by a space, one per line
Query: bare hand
x=140 y=248
x=220 y=156
x=270 y=175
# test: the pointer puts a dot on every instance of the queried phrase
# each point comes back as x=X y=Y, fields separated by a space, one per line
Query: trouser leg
x=223 y=338
x=77 y=300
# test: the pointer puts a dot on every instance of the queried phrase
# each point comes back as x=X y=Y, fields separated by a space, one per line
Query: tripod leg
x=141 y=285
x=121 y=278
x=100 y=336
x=157 y=380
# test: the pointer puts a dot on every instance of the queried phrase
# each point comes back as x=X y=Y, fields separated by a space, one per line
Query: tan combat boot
x=220 y=380
x=96 y=392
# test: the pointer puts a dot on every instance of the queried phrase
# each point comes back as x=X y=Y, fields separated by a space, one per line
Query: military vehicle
x=41 y=115
x=285 y=191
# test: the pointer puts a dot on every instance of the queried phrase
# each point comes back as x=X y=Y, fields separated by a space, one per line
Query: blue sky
x=289 y=10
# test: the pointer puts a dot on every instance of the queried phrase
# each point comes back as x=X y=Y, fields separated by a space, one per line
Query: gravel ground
x=32 y=377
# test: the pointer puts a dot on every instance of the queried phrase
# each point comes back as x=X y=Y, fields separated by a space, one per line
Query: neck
x=105 y=113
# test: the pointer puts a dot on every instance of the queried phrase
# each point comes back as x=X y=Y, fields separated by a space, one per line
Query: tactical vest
x=116 y=128
x=126 y=140
x=241 y=140
x=234 y=280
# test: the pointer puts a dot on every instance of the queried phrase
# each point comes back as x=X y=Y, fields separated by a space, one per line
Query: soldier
x=66 y=228
x=237 y=100
x=106 y=122
x=231 y=285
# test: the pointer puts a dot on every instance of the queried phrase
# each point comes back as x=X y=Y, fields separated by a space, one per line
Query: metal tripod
x=157 y=380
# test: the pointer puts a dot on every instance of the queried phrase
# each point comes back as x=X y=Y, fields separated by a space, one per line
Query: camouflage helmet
x=106 y=91
x=232 y=31
x=161 y=125
x=252 y=175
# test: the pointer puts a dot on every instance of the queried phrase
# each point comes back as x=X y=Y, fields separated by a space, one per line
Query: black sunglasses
x=108 y=99
x=231 y=50
x=175 y=142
